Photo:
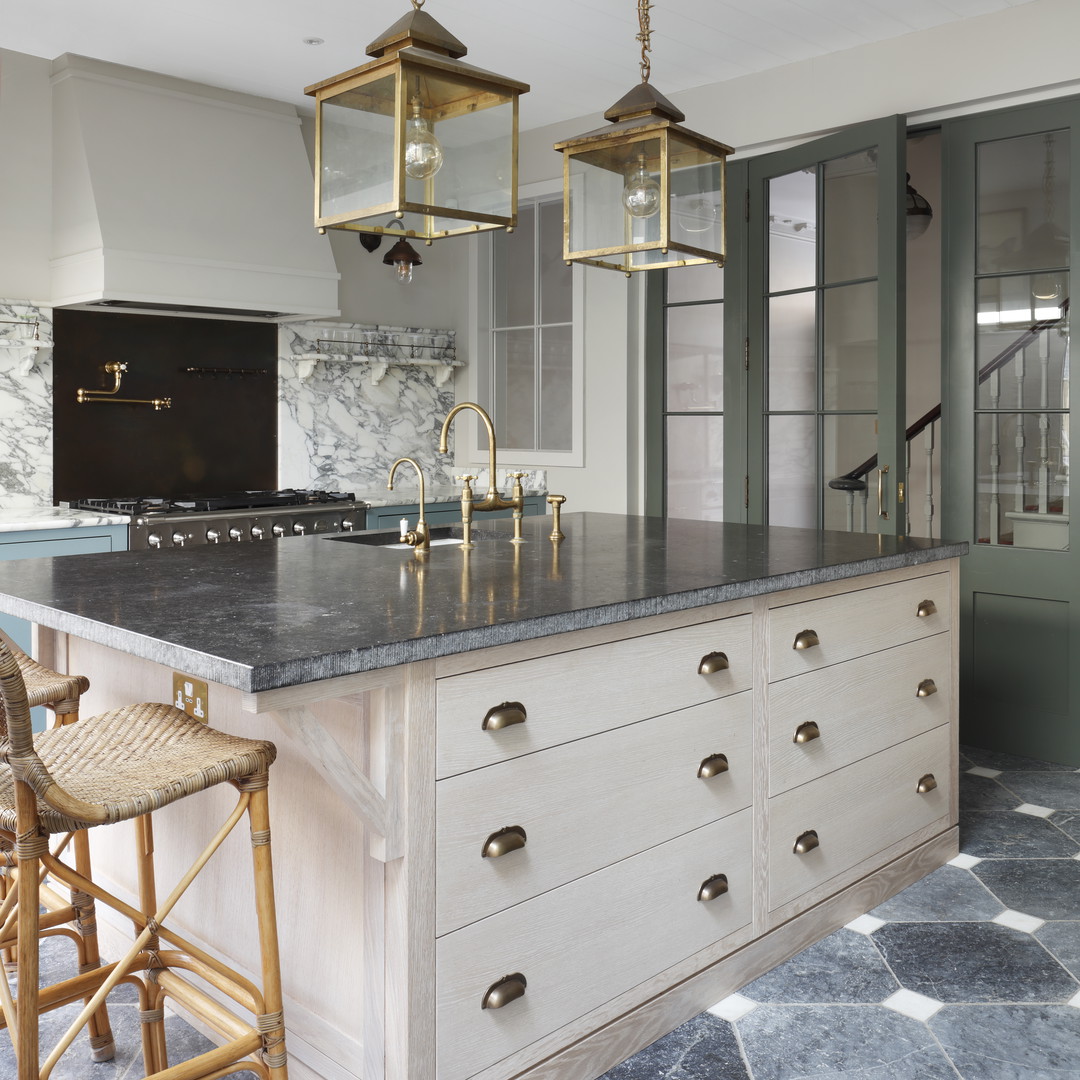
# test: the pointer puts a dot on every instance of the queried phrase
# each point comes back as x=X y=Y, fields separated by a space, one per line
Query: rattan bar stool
x=121 y=765
x=61 y=694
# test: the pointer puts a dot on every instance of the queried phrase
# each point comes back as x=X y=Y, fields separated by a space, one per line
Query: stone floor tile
x=704 y=1048
x=978 y=770
x=1017 y=920
x=982 y=793
x=1068 y=821
x=1062 y=939
x=830 y=1042
x=949 y=894
x=1045 y=888
x=992 y=759
x=844 y=967
x=733 y=1007
x=973 y=962
x=1059 y=790
x=1010 y=1042
x=908 y=1003
x=865 y=924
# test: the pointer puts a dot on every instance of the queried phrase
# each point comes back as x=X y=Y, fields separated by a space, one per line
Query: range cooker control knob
x=299 y=528
x=212 y=536
x=278 y=530
x=154 y=540
x=347 y=524
x=235 y=533
x=178 y=539
x=256 y=532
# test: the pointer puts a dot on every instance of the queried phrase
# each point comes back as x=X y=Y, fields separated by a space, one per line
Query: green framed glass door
x=1011 y=185
x=825 y=332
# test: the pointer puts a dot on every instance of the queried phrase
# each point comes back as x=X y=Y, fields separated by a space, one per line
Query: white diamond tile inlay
x=865 y=924
x=1074 y=1001
x=1034 y=811
x=965 y=862
x=915 y=1006
x=978 y=770
x=1017 y=920
x=733 y=1007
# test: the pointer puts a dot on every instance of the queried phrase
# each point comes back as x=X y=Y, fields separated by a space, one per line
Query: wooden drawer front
x=574 y=694
x=586 y=804
x=856 y=811
x=856 y=623
x=858 y=708
x=582 y=944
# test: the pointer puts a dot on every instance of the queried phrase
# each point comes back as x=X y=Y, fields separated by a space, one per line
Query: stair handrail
x=855 y=479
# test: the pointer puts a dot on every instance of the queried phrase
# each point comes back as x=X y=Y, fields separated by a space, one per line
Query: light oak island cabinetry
x=536 y=805
x=655 y=804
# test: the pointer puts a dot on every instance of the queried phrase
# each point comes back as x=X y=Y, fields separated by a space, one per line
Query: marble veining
x=53 y=517
x=26 y=477
x=339 y=431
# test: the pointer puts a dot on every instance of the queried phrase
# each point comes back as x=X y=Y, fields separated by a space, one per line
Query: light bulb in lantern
x=1046 y=287
x=423 y=152
x=641 y=194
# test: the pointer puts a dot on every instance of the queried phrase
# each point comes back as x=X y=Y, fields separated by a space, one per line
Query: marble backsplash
x=343 y=421
x=26 y=470
x=340 y=424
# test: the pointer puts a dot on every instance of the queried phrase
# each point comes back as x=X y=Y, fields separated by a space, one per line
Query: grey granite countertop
x=277 y=613
x=54 y=517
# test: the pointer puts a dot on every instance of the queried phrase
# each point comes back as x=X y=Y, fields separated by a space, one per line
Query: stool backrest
x=16 y=735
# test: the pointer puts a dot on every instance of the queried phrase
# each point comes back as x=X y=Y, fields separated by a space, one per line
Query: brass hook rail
x=116 y=369
x=215 y=371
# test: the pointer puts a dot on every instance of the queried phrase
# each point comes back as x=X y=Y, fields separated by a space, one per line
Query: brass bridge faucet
x=492 y=500
x=419 y=539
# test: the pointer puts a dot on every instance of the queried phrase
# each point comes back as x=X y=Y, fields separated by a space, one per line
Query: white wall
x=25 y=176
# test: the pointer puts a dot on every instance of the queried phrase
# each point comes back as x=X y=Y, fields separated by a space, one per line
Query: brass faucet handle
x=515 y=475
x=465 y=478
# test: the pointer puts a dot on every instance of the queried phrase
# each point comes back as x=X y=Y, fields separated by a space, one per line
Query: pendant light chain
x=644 y=36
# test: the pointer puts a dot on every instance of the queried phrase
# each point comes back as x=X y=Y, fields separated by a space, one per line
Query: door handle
x=881 y=511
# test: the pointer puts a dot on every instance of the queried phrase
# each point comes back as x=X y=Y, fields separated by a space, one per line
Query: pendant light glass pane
x=356 y=166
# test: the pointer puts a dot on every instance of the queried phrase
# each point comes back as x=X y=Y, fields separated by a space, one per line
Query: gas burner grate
x=233 y=500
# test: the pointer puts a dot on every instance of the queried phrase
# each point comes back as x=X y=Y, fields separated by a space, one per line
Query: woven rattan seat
x=117 y=766
x=134 y=760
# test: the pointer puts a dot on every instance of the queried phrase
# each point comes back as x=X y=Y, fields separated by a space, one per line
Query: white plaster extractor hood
x=173 y=196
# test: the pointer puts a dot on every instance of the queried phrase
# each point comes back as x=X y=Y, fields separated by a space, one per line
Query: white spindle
x=928 y=500
x=864 y=496
x=995 y=459
x=1020 y=439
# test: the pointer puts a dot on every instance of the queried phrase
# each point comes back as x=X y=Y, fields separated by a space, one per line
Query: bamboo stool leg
x=271 y=1023
x=7 y=883
x=153 y=1017
x=102 y=1046
x=28 y=848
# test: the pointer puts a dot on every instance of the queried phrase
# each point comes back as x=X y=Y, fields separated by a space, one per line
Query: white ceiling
x=580 y=56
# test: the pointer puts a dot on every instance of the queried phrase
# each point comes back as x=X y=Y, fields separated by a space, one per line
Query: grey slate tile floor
x=970 y=974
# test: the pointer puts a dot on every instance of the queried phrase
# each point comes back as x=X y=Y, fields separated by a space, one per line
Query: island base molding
x=531 y=861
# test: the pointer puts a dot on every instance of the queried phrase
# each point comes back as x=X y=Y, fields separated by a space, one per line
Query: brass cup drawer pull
x=713 y=662
x=503 y=716
x=806 y=732
x=512 y=838
x=806 y=639
x=713 y=887
x=926 y=688
x=926 y=608
x=926 y=783
x=806 y=842
x=508 y=988
x=712 y=766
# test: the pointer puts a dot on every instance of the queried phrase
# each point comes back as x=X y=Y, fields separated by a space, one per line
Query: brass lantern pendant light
x=418 y=135
x=644 y=193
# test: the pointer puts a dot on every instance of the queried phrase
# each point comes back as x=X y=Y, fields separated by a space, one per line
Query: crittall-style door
x=1011 y=194
x=824 y=332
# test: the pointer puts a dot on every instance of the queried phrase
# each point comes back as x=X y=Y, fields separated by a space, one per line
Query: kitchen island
x=537 y=804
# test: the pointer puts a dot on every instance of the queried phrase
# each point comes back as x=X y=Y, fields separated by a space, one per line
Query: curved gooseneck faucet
x=418 y=538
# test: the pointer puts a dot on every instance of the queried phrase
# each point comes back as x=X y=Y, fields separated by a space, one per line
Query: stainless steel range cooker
x=235 y=517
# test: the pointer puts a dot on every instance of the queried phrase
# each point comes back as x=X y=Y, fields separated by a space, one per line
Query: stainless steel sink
x=441 y=536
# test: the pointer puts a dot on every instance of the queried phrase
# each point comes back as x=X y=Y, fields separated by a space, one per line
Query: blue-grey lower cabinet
x=42 y=543
x=387 y=517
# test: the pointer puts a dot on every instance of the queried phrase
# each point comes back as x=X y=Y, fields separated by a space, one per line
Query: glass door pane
x=832 y=379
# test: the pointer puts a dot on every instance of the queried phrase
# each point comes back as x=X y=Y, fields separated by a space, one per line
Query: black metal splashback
x=220 y=433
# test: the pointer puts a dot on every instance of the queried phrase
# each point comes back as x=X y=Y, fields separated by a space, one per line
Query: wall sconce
x=402 y=256
x=645 y=193
x=919 y=212
x=418 y=134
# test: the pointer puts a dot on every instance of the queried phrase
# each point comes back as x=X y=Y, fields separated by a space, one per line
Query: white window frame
x=482 y=374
